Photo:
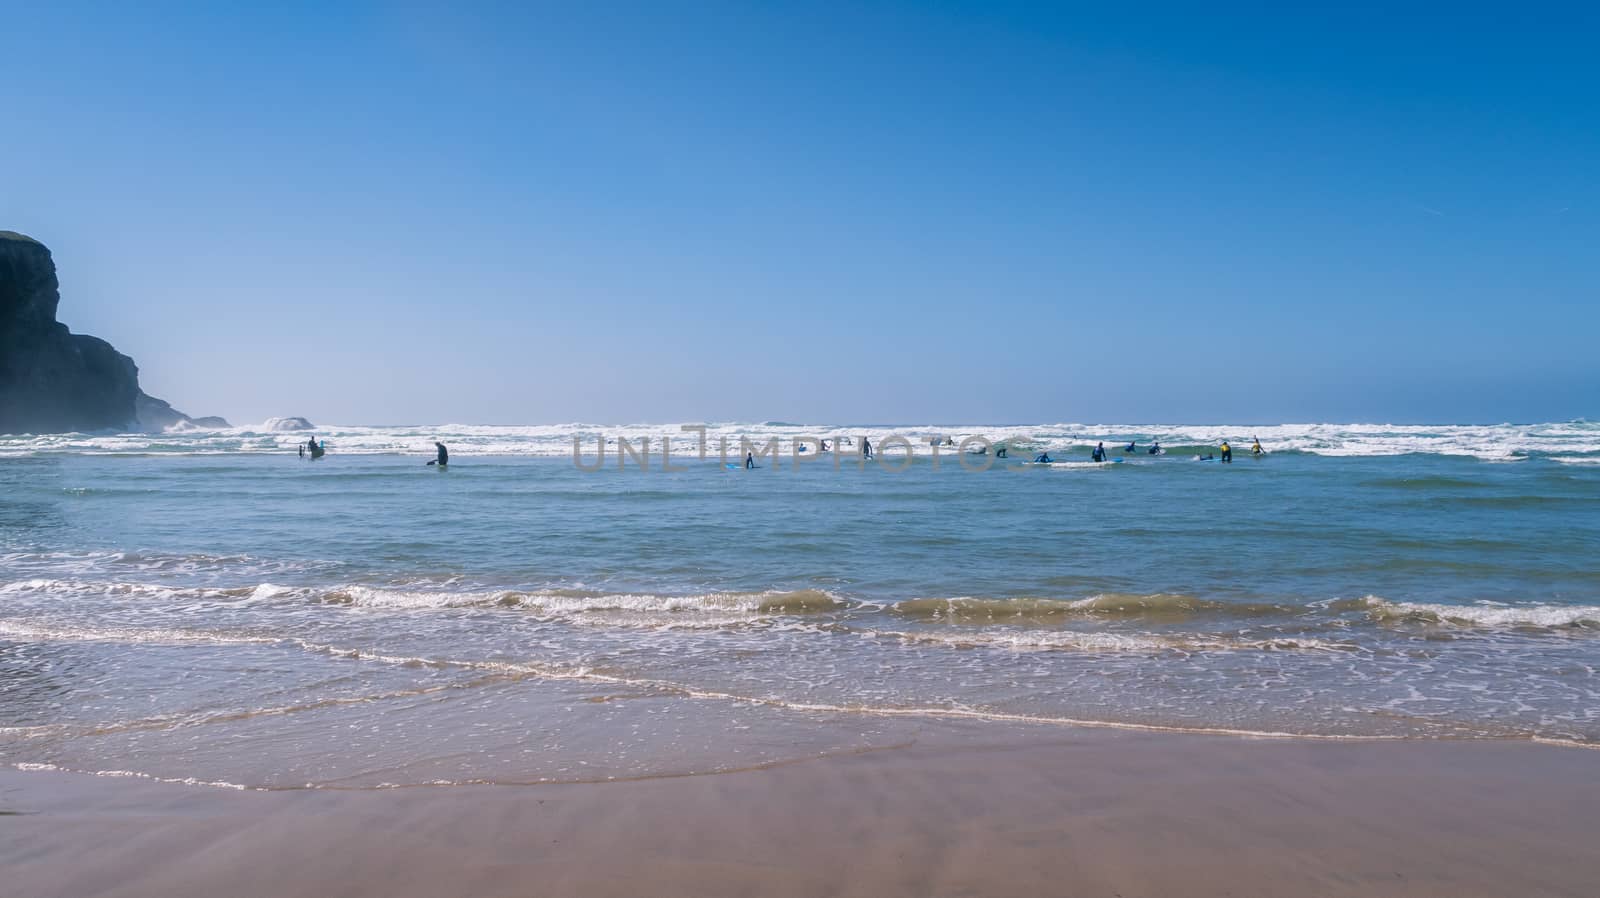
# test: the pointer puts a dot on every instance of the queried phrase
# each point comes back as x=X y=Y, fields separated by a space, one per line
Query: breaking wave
x=1158 y=605
x=1485 y=616
x=1573 y=442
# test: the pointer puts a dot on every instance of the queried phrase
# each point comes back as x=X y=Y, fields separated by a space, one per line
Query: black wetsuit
x=1000 y=453
x=866 y=447
x=749 y=460
x=1227 y=454
x=444 y=455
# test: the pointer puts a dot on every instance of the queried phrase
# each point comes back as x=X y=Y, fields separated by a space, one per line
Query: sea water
x=209 y=607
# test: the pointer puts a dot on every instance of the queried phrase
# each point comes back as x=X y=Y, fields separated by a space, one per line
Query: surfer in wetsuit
x=1000 y=451
x=444 y=454
x=1256 y=449
x=749 y=460
x=1099 y=453
x=1043 y=459
x=1130 y=447
x=866 y=447
x=1155 y=448
x=1227 y=453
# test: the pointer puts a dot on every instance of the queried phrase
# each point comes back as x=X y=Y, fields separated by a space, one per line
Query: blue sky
x=383 y=213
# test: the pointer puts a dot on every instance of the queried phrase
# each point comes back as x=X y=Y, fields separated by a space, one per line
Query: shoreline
x=960 y=811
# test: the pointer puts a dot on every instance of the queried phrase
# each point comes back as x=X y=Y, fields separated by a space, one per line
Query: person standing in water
x=866 y=447
x=1130 y=447
x=1227 y=453
x=749 y=460
x=1256 y=449
x=1099 y=453
x=443 y=458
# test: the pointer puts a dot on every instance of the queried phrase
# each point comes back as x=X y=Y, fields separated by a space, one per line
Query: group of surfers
x=1099 y=452
x=313 y=449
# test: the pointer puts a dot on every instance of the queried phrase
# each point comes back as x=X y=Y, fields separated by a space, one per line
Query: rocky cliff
x=55 y=381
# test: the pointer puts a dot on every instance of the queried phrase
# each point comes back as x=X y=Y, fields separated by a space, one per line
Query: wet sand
x=963 y=811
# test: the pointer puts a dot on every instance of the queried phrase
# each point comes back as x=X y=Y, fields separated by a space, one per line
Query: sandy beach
x=959 y=812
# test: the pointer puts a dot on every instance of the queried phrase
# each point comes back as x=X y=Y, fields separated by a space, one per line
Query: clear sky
x=946 y=212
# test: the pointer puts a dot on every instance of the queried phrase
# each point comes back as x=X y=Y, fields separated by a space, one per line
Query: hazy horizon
x=387 y=212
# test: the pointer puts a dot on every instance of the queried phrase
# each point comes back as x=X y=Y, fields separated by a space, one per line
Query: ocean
x=208 y=607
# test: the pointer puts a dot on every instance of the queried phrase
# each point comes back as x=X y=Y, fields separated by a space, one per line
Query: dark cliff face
x=52 y=380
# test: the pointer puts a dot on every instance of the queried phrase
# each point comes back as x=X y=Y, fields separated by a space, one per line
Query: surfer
x=1227 y=453
x=1155 y=448
x=1099 y=453
x=822 y=445
x=866 y=447
x=1000 y=451
x=443 y=458
x=1131 y=447
x=1256 y=448
x=1043 y=459
x=749 y=460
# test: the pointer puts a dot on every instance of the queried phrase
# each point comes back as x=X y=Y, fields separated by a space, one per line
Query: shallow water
x=209 y=607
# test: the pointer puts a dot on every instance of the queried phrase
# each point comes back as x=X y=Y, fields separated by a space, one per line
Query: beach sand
x=981 y=811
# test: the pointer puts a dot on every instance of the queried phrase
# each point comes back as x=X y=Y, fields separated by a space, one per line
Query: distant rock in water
x=55 y=381
x=284 y=425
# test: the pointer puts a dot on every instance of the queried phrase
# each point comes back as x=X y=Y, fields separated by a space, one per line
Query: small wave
x=116 y=589
x=966 y=608
x=40 y=632
x=134 y=774
x=1480 y=616
x=1112 y=643
x=562 y=603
